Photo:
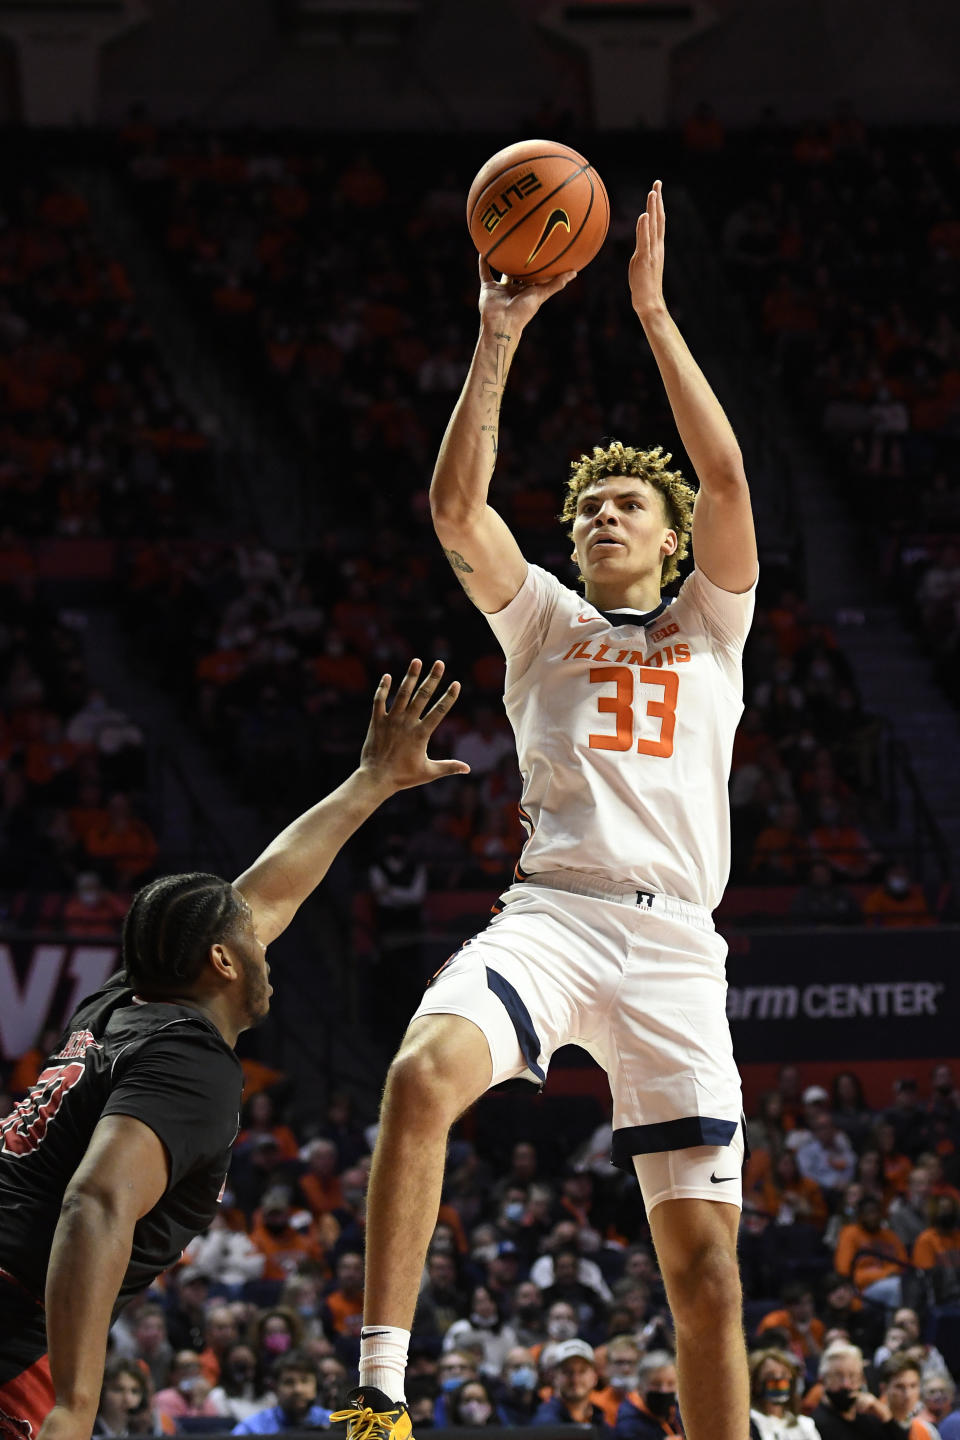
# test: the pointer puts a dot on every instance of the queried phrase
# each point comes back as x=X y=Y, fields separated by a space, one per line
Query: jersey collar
x=637 y=617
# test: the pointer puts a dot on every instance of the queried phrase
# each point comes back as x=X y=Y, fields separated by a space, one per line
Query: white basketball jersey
x=625 y=733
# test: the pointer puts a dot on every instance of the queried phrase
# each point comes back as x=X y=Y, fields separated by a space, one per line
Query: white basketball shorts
x=638 y=980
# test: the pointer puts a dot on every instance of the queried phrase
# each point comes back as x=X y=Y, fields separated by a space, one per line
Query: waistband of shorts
x=577 y=882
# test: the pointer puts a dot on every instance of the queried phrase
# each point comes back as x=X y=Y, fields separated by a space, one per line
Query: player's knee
x=424 y=1087
x=704 y=1287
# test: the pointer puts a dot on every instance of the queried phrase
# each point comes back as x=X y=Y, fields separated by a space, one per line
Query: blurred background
x=237 y=301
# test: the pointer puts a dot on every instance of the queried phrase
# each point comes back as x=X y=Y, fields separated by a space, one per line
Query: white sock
x=383 y=1358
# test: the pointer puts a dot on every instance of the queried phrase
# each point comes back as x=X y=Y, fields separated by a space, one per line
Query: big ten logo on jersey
x=672 y=629
x=493 y=214
x=41 y=985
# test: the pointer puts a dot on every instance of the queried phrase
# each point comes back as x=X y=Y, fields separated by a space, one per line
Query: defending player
x=117 y=1157
x=624 y=710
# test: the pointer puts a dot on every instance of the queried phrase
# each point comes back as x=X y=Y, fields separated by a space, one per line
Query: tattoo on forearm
x=461 y=568
x=494 y=388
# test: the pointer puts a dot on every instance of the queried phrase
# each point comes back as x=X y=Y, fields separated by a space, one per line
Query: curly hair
x=170 y=927
x=649 y=465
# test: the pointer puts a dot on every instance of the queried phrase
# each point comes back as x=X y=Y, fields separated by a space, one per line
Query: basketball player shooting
x=624 y=708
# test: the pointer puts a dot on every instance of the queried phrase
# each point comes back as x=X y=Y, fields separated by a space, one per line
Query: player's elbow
x=725 y=474
x=91 y=1205
x=454 y=520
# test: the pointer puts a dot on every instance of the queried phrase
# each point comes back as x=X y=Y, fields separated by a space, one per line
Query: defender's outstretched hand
x=646 y=263
x=514 y=302
x=395 y=750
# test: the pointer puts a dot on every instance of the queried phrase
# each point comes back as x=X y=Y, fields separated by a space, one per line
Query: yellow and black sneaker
x=372 y=1415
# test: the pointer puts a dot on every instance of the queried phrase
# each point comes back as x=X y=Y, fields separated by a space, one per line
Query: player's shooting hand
x=395 y=750
x=646 y=263
x=511 y=303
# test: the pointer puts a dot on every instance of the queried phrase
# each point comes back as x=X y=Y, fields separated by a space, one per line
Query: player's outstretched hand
x=646 y=263
x=395 y=750
x=513 y=302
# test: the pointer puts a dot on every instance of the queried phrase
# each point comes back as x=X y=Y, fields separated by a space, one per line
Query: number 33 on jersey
x=624 y=726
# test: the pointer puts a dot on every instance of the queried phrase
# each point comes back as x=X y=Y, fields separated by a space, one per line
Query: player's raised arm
x=475 y=539
x=724 y=542
x=394 y=757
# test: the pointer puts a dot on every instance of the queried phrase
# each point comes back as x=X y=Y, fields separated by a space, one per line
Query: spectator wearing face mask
x=622 y=1372
x=936 y=1394
x=519 y=1397
x=242 y=1390
x=774 y=1377
x=188 y=1393
x=527 y=1314
x=454 y=1369
x=284 y=1245
x=574 y=1372
x=278 y=1331
x=897 y=901
x=650 y=1412
x=472 y=1404
x=847 y=1410
x=484 y=1330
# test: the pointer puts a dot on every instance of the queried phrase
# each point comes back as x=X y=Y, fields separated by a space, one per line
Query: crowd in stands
x=541 y=1302
x=96 y=446
x=845 y=244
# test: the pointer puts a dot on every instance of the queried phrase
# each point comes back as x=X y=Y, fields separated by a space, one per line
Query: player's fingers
x=380 y=697
x=442 y=706
x=406 y=686
x=430 y=682
x=486 y=274
x=661 y=212
x=558 y=283
x=448 y=767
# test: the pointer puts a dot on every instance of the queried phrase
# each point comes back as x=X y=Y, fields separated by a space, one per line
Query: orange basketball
x=536 y=209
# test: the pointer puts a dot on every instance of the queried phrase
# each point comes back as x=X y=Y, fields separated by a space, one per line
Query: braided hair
x=171 y=925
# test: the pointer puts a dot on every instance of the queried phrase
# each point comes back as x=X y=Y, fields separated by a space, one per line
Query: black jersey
x=164 y=1064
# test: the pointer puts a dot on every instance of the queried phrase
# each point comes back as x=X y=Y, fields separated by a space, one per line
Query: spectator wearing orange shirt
x=92 y=909
x=261 y=1125
x=898 y=901
x=846 y=849
x=896 y=1166
x=126 y=842
x=320 y=1185
x=342 y=1310
x=284 y=1247
x=781 y=851
x=875 y=1273
x=939 y=1246
x=786 y=1195
x=799 y=1319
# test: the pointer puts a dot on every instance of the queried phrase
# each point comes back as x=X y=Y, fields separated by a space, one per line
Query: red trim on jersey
x=26 y=1401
